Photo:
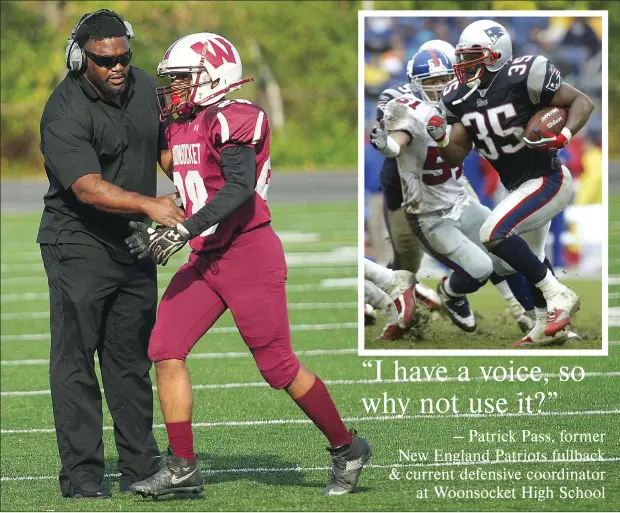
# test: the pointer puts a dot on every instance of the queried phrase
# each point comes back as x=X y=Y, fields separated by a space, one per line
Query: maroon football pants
x=249 y=278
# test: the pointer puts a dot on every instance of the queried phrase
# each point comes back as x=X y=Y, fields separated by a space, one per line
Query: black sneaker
x=457 y=309
x=176 y=475
x=88 y=490
x=347 y=464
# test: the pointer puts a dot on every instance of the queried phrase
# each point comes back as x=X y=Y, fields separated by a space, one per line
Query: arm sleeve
x=239 y=170
x=68 y=151
x=543 y=80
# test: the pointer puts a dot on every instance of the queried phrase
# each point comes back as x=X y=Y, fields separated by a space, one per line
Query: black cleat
x=177 y=475
x=347 y=464
x=457 y=309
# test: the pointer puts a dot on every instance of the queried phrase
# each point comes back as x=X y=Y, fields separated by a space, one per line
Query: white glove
x=379 y=136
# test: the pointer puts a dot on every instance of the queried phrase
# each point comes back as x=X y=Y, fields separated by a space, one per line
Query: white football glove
x=379 y=136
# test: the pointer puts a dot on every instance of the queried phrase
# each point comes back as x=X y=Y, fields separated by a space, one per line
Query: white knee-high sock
x=379 y=275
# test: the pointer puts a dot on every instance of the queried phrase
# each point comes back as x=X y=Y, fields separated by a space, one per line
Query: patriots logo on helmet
x=495 y=33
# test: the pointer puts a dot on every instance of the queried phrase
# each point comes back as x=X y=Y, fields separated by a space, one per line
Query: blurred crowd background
x=574 y=46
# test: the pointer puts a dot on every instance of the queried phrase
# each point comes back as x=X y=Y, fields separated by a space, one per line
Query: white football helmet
x=212 y=65
x=442 y=46
x=483 y=45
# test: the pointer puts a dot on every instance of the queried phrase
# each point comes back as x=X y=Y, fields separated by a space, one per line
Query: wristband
x=446 y=140
x=392 y=148
x=567 y=133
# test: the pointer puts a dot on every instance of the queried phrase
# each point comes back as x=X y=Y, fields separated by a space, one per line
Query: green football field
x=496 y=328
x=257 y=451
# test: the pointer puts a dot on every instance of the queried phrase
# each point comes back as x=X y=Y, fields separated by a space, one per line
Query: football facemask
x=471 y=63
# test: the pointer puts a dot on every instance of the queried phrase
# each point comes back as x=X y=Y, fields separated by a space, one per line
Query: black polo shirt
x=81 y=134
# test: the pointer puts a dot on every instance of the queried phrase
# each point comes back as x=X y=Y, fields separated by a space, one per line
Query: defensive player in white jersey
x=441 y=212
x=488 y=106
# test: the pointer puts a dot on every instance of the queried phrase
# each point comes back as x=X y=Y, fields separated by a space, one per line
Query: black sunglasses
x=105 y=61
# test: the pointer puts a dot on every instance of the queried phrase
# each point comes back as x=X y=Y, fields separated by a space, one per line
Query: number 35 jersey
x=196 y=145
x=428 y=184
x=495 y=118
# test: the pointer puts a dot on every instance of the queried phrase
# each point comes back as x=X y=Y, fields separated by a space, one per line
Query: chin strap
x=471 y=91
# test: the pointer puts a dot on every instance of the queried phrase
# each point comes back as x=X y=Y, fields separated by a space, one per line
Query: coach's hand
x=164 y=210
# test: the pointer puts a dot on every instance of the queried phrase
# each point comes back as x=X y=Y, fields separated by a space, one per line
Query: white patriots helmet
x=483 y=45
x=213 y=65
x=442 y=46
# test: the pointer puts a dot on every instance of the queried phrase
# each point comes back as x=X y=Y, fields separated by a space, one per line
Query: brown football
x=549 y=119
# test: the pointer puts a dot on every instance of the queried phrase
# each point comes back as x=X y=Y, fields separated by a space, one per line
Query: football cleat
x=347 y=465
x=402 y=293
x=524 y=319
x=392 y=332
x=457 y=309
x=537 y=337
x=177 y=475
x=561 y=305
x=427 y=296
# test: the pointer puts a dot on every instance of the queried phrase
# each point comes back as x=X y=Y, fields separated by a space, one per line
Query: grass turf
x=255 y=449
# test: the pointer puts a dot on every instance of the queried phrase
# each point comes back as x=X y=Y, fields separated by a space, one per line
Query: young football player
x=442 y=213
x=221 y=168
x=488 y=105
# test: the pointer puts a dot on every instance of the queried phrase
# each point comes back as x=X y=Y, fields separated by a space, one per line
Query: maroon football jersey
x=196 y=145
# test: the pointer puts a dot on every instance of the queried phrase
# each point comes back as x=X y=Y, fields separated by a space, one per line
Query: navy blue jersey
x=495 y=117
x=390 y=179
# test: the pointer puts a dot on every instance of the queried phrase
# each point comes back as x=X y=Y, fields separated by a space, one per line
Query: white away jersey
x=428 y=184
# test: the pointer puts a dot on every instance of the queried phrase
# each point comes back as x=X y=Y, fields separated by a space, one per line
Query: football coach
x=101 y=139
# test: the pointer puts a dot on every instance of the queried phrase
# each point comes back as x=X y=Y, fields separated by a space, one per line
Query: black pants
x=100 y=305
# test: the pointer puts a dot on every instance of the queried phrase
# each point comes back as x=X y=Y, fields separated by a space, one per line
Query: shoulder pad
x=237 y=122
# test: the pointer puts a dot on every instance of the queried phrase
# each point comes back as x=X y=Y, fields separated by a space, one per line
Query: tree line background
x=302 y=54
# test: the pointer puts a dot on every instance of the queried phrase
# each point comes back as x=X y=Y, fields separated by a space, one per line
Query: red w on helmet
x=204 y=68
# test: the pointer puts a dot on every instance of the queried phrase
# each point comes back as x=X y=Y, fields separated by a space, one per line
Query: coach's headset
x=75 y=57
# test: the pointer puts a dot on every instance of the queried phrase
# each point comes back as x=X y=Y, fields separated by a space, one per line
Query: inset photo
x=485 y=182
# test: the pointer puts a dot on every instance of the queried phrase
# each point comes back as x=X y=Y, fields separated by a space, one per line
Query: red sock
x=318 y=405
x=181 y=439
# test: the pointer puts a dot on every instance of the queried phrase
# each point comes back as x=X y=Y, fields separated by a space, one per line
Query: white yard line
x=613 y=280
x=291 y=306
x=345 y=382
x=336 y=256
x=41 y=278
x=200 y=356
x=614 y=316
x=267 y=470
x=326 y=284
x=378 y=418
x=228 y=329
